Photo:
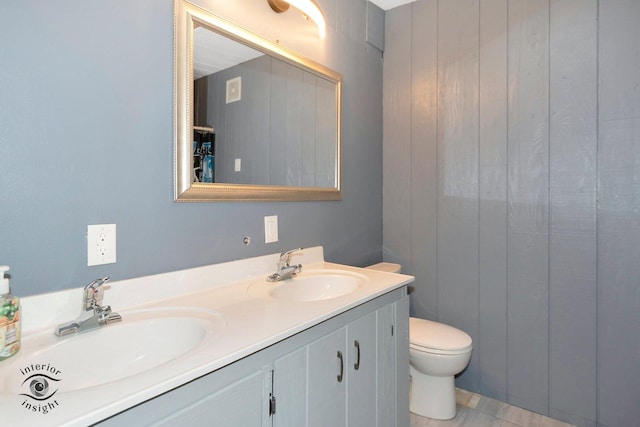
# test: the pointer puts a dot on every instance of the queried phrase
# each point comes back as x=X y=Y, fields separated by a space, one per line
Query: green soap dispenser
x=9 y=318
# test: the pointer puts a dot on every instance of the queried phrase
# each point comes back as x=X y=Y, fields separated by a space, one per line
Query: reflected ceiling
x=227 y=53
x=389 y=4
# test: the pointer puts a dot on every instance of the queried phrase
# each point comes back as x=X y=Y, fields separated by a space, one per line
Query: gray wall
x=292 y=136
x=512 y=190
x=86 y=137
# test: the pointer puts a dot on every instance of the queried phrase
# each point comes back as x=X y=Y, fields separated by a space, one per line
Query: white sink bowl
x=310 y=286
x=143 y=340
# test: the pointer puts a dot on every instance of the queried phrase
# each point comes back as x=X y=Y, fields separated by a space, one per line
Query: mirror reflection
x=254 y=121
x=259 y=120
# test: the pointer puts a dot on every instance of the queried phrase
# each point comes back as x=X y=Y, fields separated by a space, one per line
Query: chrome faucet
x=93 y=314
x=285 y=270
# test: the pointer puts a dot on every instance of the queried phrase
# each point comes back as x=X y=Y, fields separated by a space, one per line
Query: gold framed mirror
x=261 y=124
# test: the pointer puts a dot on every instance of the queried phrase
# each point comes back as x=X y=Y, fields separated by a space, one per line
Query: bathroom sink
x=309 y=286
x=144 y=340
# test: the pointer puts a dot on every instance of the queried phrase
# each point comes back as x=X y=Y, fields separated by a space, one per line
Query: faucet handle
x=285 y=257
x=93 y=293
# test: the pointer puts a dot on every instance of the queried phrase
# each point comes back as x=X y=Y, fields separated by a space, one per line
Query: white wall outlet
x=101 y=244
x=271 y=229
x=237 y=166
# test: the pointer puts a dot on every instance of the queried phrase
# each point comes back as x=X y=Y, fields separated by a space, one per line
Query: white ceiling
x=389 y=4
x=213 y=52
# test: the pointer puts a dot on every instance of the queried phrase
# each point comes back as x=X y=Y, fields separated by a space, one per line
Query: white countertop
x=246 y=324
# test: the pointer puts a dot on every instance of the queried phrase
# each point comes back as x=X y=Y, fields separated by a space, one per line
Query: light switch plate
x=101 y=244
x=237 y=165
x=271 y=229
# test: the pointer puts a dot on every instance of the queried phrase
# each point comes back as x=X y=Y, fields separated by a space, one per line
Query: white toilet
x=437 y=353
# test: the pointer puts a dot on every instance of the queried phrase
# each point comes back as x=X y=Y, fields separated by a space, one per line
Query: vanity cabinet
x=353 y=376
x=349 y=370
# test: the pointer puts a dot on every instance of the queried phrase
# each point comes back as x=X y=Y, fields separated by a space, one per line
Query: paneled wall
x=511 y=191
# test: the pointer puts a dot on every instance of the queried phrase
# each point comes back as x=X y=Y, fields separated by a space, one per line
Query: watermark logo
x=39 y=385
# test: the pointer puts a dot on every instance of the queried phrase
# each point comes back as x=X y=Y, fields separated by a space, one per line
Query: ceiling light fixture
x=307 y=7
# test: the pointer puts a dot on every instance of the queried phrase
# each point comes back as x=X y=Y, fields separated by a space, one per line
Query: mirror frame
x=185 y=16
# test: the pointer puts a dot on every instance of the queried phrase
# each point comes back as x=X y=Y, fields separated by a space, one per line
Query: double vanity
x=220 y=345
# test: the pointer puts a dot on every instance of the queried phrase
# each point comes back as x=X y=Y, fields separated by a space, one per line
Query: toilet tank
x=388 y=267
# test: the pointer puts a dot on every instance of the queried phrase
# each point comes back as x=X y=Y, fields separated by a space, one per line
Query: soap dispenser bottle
x=9 y=318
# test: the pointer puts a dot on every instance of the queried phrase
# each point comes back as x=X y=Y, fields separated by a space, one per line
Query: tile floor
x=475 y=410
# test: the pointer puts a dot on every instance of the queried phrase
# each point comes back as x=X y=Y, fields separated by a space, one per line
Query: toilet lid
x=437 y=336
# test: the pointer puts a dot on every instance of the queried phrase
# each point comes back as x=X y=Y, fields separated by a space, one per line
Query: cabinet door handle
x=341 y=366
x=356 y=365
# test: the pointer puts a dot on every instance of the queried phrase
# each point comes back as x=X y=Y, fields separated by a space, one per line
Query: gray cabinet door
x=290 y=387
x=327 y=376
x=237 y=395
x=386 y=349
x=361 y=376
x=402 y=362
x=239 y=404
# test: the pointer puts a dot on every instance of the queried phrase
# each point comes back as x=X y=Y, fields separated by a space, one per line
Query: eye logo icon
x=39 y=386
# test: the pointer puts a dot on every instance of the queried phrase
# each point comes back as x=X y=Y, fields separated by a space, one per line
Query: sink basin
x=144 y=340
x=310 y=286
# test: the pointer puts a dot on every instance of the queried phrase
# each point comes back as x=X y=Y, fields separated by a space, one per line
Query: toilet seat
x=437 y=338
x=438 y=352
